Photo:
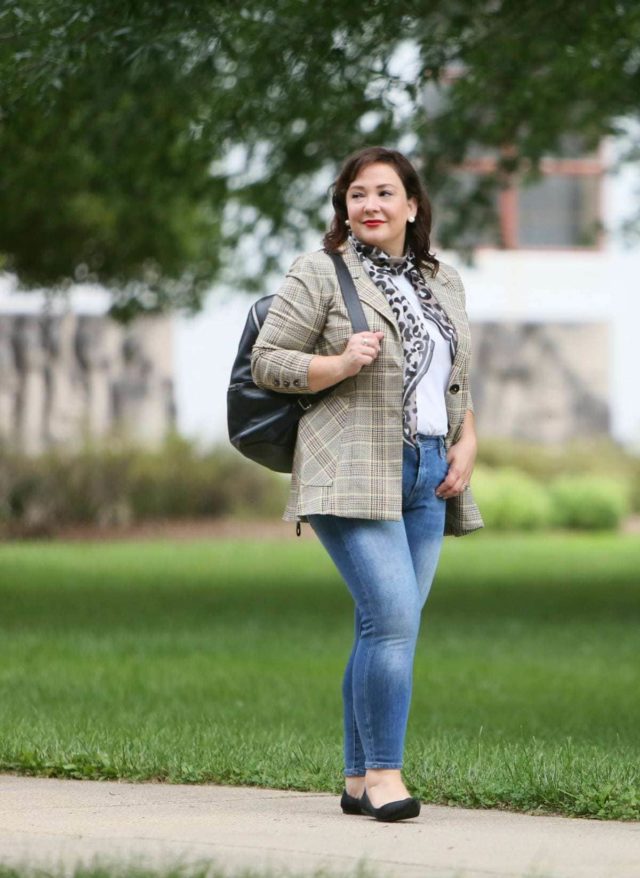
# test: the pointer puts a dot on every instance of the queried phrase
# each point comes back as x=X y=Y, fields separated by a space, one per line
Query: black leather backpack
x=263 y=424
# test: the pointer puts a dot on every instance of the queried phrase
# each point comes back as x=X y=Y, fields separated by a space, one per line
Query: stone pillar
x=143 y=392
x=9 y=381
x=65 y=403
x=30 y=358
x=94 y=360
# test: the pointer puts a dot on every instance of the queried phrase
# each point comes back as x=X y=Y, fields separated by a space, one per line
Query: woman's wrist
x=325 y=371
x=468 y=431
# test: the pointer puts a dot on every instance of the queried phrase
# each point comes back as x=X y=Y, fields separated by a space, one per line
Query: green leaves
x=113 y=115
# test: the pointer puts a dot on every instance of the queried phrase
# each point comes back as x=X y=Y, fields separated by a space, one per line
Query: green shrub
x=580 y=457
x=117 y=485
x=510 y=500
x=589 y=502
x=57 y=488
x=634 y=487
x=179 y=481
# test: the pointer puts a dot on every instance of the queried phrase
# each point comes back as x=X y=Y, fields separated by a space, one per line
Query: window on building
x=562 y=208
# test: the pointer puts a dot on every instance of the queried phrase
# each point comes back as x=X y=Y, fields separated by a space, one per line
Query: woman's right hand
x=328 y=369
x=361 y=350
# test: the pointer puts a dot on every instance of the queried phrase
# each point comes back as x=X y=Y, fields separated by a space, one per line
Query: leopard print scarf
x=414 y=328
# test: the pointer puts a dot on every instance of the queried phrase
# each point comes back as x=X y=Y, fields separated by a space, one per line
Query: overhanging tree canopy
x=141 y=142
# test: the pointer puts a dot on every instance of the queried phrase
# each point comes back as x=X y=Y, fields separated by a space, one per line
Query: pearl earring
x=412 y=219
x=347 y=224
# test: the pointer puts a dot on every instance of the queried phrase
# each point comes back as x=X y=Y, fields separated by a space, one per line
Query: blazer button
x=454 y=388
x=286 y=383
x=276 y=382
x=296 y=382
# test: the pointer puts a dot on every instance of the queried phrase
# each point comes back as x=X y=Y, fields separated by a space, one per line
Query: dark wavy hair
x=418 y=233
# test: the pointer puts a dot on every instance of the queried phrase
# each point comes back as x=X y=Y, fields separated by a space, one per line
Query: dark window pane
x=559 y=211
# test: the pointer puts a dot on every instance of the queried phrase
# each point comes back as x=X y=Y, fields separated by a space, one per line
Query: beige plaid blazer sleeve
x=288 y=339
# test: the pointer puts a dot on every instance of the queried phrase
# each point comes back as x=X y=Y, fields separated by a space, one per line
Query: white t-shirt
x=432 y=388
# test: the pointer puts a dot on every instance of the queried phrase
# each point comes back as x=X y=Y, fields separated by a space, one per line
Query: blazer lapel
x=367 y=290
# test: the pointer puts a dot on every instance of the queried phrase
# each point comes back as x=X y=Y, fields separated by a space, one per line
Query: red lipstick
x=373 y=222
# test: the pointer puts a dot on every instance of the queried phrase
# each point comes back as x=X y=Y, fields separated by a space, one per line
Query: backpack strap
x=349 y=293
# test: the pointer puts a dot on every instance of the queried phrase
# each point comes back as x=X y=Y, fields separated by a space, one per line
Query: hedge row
x=121 y=485
x=598 y=458
x=510 y=499
x=517 y=487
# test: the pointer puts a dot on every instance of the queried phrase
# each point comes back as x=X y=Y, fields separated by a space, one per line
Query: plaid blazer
x=348 y=455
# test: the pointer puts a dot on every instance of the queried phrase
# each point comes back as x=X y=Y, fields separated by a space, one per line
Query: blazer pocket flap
x=319 y=440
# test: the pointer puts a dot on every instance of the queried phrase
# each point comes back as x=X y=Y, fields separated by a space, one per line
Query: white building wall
x=576 y=286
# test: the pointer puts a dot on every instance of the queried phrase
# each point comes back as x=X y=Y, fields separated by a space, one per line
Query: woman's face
x=378 y=208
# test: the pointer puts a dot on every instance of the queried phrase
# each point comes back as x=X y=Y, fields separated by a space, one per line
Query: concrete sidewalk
x=47 y=822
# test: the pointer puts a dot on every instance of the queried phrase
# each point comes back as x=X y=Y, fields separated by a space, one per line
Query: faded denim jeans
x=388 y=567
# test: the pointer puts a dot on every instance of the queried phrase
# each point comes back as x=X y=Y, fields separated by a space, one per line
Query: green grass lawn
x=222 y=661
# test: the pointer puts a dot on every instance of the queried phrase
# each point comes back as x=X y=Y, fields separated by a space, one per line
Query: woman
x=382 y=464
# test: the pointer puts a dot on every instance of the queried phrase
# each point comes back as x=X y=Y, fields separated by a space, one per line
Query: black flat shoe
x=403 y=809
x=351 y=804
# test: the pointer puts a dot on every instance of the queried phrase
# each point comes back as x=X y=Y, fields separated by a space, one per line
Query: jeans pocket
x=410 y=468
x=438 y=469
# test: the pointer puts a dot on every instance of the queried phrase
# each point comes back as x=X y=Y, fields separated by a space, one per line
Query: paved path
x=50 y=822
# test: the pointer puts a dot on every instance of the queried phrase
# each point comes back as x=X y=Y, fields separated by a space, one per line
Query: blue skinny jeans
x=388 y=567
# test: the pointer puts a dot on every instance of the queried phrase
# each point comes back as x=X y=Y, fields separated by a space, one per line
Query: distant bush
x=589 y=502
x=510 y=499
x=634 y=490
x=547 y=462
x=116 y=485
x=119 y=485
